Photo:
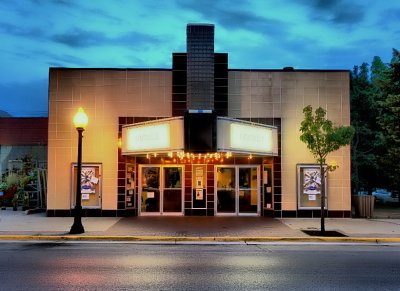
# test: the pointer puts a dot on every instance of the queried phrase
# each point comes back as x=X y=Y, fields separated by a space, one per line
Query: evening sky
x=257 y=34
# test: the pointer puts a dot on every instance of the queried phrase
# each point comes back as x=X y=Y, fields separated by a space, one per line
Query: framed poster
x=130 y=186
x=90 y=183
x=309 y=187
x=268 y=186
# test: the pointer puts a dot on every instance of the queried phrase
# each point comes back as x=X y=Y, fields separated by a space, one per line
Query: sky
x=257 y=34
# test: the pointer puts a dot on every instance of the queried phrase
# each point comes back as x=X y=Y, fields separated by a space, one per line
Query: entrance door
x=237 y=190
x=172 y=190
x=248 y=190
x=161 y=190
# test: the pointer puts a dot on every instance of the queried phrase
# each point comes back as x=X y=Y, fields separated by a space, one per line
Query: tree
x=322 y=138
x=367 y=147
x=389 y=120
x=363 y=110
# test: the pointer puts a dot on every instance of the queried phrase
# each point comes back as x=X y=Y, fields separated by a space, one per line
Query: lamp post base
x=77 y=227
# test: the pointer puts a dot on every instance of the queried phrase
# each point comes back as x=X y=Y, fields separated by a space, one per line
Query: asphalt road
x=127 y=266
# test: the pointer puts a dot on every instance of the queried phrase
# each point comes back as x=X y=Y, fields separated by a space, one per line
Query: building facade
x=196 y=139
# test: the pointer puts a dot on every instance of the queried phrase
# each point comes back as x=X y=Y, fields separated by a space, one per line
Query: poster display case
x=130 y=186
x=199 y=179
x=90 y=180
x=268 y=187
x=309 y=187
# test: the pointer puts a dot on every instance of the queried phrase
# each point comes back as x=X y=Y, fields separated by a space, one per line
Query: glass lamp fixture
x=80 y=119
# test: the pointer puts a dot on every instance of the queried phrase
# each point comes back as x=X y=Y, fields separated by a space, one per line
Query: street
x=139 y=266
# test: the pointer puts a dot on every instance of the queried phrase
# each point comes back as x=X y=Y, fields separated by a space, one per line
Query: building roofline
x=170 y=69
x=112 y=69
x=286 y=70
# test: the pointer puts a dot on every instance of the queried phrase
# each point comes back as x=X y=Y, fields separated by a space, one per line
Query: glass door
x=161 y=190
x=150 y=190
x=248 y=190
x=226 y=184
x=237 y=190
x=172 y=189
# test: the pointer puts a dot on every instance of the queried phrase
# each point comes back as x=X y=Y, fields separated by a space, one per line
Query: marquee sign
x=241 y=136
x=162 y=135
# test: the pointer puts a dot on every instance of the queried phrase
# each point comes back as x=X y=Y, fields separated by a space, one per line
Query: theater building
x=197 y=139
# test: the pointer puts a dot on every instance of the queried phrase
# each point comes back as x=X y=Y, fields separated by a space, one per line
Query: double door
x=160 y=190
x=238 y=190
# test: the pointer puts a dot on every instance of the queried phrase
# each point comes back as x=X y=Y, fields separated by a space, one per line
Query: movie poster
x=88 y=180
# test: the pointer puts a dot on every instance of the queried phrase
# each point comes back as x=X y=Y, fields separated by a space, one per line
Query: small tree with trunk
x=322 y=138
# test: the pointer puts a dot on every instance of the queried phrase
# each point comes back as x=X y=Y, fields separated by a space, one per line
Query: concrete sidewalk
x=19 y=225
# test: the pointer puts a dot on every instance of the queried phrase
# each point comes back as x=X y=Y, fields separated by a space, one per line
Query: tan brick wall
x=279 y=94
x=105 y=95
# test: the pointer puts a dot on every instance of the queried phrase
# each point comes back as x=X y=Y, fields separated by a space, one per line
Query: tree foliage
x=320 y=136
x=375 y=116
x=389 y=120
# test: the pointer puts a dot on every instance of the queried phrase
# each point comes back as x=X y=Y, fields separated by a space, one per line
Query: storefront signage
x=249 y=137
x=90 y=181
x=241 y=136
x=148 y=137
x=156 y=136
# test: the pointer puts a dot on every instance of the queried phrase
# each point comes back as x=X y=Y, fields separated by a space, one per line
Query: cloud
x=14 y=30
x=79 y=38
x=337 y=12
x=232 y=16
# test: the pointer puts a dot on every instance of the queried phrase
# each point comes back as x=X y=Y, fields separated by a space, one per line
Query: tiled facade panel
x=105 y=94
x=179 y=87
x=284 y=94
x=221 y=84
x=179 y=84
x=200 y=66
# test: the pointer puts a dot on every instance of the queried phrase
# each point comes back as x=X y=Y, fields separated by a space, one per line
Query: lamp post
x=80 y=122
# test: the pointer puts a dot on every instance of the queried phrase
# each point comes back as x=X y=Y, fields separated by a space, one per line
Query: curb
x=198 y=239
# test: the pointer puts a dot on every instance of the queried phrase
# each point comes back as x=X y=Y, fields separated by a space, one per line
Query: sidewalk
x=19 y=225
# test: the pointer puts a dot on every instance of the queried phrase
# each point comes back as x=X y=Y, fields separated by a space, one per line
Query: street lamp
x=80 y=122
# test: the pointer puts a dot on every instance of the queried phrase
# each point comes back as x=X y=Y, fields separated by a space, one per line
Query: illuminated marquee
x=148 y=137
x=251 y=138
x=242 y=136
x=157 y=136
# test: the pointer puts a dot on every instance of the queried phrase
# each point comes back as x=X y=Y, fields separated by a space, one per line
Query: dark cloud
x=15 y=30
x=79 y=38
x=231 y=16
x=342 y=12
x=54 y=2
